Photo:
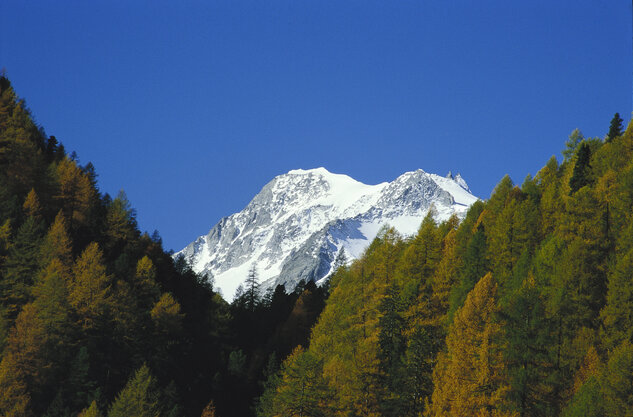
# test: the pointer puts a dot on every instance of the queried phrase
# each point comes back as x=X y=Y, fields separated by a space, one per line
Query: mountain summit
x=295 y=227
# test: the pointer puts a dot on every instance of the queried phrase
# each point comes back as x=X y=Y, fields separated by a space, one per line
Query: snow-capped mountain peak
x=295 y=226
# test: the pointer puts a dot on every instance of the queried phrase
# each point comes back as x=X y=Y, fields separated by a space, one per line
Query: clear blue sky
x=192 y=107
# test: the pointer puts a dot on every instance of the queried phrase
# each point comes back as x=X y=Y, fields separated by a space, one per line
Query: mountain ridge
x=295 y=226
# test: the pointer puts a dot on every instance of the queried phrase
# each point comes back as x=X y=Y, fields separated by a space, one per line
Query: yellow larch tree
x=469 y=376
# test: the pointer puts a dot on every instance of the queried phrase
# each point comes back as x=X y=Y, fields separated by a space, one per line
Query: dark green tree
x=582 y=169
x=21 y=267
x=392 y=344
x=617 y=315
x=615 y=129
x=529 y=362
x=139 y=398
x=475 y=266
x=252 y=296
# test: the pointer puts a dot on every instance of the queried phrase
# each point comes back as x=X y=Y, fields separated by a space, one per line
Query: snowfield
x=294 y=228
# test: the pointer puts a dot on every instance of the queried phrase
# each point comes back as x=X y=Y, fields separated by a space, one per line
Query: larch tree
x=166 y=315
x=469 y=375
x=91 y=411
x=23 y=363
x=617 y=314
x=91 y=286
x=76 y=194
x=617 y=382
x=32 y=206
x=444 y=277
x=144 y=282
x=139 y=398
x=571 y=146
x=209 y=410
x=421 y=257
x=475 y=265
x=302 y=391
x=120 y=224
x=57 y=244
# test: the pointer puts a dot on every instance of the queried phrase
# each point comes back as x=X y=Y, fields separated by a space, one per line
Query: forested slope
x=523 y=309
x=96 y=316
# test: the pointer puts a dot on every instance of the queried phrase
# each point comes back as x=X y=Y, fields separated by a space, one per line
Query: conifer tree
x=572 y=144
x=31 y=206
x=7 y=102
x=551 y=201
x=5 y=237
x=209 y=410
x=76 y=194
x=392 y=345
x=139 y=398
x=91 y=286
x=120 y=224
x=529 y=363
x=51 y=300
x=302 y=391
x=444 y=277
x=497 y=202
x=469 y=376
x=92 y=411
x=617 y=314
x=20 y=268
x=57 y=245
x=296 y=329
x=166 y=314
x=615 y=129
x=251 y=291
x=582 y=174
x=80 y=389
x=475 y=265
x=421 y=257
x=617 y=382
x=144 y=283
x=502 y=240
x=588 y=401
x=590 y=367
x=23 y=364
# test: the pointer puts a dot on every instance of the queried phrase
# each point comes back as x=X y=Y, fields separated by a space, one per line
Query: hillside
x=521 y=307
x=525 y=308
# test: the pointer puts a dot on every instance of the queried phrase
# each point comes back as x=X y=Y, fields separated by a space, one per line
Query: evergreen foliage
x=140 y=397
x=615 y=129
x=582 y=174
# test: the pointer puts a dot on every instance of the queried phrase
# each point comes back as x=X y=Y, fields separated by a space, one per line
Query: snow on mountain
x=296 y=225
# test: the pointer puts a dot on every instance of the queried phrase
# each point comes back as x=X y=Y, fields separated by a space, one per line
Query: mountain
x=299 y=222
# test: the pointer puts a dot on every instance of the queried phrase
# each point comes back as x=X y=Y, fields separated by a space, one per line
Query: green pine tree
x=139 y=398
x=21 y=267
x=615 y=129
x=302 y=391
x=582 y=169
x=475 y=266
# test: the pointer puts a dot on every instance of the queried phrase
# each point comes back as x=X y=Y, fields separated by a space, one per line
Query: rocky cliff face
x=299 y=222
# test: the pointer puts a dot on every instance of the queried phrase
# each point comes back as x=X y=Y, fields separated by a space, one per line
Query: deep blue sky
x=192 y=107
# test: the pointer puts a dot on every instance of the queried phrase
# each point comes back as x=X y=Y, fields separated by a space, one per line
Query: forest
x=523 y=308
